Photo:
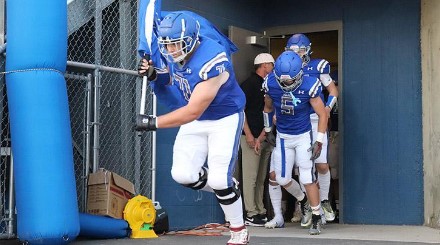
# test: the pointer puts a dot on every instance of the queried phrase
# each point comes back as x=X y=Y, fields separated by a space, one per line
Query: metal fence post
x=88 y=123
x=96 y=123
x=10 y=229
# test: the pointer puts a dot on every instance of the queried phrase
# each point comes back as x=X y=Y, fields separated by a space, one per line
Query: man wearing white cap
x=254 y=167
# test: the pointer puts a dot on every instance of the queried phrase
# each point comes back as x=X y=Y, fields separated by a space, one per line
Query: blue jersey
x=315 y=68
x=292 y=109
x=169 y=94
x=209 y=60
x=166 y=93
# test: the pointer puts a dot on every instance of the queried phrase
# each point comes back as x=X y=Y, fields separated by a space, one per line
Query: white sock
x=295 y=190
x=316 y=210
x=275 y=198
x=234 y=213
x=324 y=185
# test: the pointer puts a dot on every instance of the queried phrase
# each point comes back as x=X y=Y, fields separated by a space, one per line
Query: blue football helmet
x=288 y=70
x=178 y=34
x=300 y=44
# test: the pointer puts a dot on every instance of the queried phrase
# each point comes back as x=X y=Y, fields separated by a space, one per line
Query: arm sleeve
x=325 y=79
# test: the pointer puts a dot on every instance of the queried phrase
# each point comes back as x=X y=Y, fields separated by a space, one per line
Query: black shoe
x=253 y=221
x=315 y=228
x=263 y=217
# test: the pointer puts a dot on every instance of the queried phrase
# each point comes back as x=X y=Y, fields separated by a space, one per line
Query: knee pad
x=306 y=176
x=283 y=180
x=228 y=196
x=199 y=184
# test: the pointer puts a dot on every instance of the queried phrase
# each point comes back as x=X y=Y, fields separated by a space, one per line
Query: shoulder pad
x=265 y=85
x=213 y=55
x=320 y=66
x=313 y=85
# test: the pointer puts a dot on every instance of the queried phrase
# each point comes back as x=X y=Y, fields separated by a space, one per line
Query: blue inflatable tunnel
x=46 y=200
x=101 y=227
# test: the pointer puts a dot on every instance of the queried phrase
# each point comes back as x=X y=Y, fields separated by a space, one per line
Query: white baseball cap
x=263 y=58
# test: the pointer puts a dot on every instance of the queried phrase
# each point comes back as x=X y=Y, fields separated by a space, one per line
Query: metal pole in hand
x=143 y=95
x=141 y=114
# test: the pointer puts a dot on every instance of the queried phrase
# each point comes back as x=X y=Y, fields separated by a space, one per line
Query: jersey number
x=183 y=86
x=287 y=105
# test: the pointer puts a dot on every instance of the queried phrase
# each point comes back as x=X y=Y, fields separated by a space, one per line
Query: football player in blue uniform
x=292 y=96
x=169 y=93
x=212 y=120
x=319 y=68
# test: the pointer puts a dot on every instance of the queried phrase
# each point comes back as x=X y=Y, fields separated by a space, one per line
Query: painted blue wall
x=382 y=111
x=383 y=154
x=248 y=14
x=288 y=12
x=186 y=208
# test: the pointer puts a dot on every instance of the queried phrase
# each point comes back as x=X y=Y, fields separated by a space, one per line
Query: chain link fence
x=105 y=95
x=6 y=199
x=104 y=98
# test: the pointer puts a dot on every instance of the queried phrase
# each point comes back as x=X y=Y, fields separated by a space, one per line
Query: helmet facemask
x=300 y=44
x=179 y=41
x=303 y=52
x=289 y=83
x=175 y=50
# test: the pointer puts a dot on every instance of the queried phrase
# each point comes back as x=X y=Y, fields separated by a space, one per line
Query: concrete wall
x=430 y=36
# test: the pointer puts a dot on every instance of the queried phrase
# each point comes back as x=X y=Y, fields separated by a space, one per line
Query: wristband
x=267 y=119
x=320 y=137
x=151 y=74
x=331 y=101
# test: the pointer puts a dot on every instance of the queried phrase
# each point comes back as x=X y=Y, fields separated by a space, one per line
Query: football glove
x=316 y=150
x=145 y=123
x=150 y=73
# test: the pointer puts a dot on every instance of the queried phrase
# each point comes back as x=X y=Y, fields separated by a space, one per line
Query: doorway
x=326 y=39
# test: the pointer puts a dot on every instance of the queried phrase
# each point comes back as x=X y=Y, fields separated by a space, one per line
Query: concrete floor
x=332 y=234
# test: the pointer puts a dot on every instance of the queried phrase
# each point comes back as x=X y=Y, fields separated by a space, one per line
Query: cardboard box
x=108 y=194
